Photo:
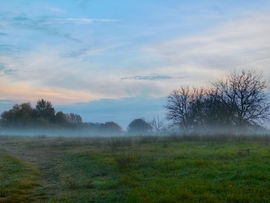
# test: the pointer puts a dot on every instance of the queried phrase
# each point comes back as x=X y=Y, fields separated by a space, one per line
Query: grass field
x=221 y=168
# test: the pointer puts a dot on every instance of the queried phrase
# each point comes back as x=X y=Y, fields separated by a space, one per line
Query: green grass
x=140 y=169
x=18 y=179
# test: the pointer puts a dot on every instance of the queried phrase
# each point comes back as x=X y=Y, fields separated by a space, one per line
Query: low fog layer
x=234 y=105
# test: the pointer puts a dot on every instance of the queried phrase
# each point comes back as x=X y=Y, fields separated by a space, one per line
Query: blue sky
x=118 y=60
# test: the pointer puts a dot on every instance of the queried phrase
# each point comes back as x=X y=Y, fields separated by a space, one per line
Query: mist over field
x=134 y=101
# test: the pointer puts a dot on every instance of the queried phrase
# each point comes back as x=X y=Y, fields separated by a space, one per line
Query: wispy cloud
x=149 y=77
x=118 y=65
x=7 y=49
x=55 y=9
x=83 y=20
x=10 y=71
x=3 y=34
x=241 y=44
x=41 y=24
x=76 y=54
x=192 y=60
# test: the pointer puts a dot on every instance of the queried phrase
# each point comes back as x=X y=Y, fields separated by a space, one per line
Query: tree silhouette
x=42 y=116
x=61 y=119
x=74 y=120
x=111 y=128
x=18 y=116
x=244 y=96
x=184 y=106
x=139 y=126
x=157 y=124
x=45 y=110
x=238 y=101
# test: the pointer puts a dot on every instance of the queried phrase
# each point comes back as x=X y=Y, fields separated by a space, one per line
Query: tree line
x=43 y=116
x=236 y=104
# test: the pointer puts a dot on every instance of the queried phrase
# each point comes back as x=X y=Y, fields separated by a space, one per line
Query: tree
x=139 y=126
x=183 y=107
x=24 y=116
x=19 y=116
x=157 y=124
x=45 y=110
x=214 y=111
x=244 y=96
x=111 y=128
x=74 y=119
x=61 y=119
x=237 y=101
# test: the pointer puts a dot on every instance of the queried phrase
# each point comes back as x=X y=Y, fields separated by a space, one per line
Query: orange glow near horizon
x=23 y=93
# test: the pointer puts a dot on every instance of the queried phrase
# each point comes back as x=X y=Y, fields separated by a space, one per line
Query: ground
x=189 y=168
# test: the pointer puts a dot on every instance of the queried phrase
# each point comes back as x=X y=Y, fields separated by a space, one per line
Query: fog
x=169 y=131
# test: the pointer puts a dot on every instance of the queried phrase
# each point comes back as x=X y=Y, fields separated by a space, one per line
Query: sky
x=118 y=60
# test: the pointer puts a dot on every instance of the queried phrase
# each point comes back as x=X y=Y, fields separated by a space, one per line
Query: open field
x=192 y=168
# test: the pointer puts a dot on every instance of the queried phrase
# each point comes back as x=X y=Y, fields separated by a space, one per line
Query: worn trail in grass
x=138 y=169
x=18 y=180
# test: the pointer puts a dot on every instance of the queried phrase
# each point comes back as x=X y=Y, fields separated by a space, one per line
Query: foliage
x=44 y=109
x=139 y=126
x=19 y=115
x=74 y=119
x=43 y=117
x=110 y=128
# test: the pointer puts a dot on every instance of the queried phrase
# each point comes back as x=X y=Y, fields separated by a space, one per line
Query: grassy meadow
x=188 y=168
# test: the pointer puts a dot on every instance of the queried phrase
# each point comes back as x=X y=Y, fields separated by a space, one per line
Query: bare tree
x=239 y=101
x=244 y=96
x=157 y=124
x=181 y=109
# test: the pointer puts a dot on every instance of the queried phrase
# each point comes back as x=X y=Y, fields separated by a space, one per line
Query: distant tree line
x=237 y=103
x=23 y=116
x=43 y=116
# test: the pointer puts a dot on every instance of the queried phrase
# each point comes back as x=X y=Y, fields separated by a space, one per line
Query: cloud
x=5 y=71
x=83 y=3
x=76 y=54
x=27 y=91
x=10 y=49
x=73 y=72
x=148 y=77
x=58 y=78
x=42 y=24
x=10 y=71
x=83 y=20
x=47 y=24
x=240 y=44
x=3 y=34
x=55 y=9
x=5 y=101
